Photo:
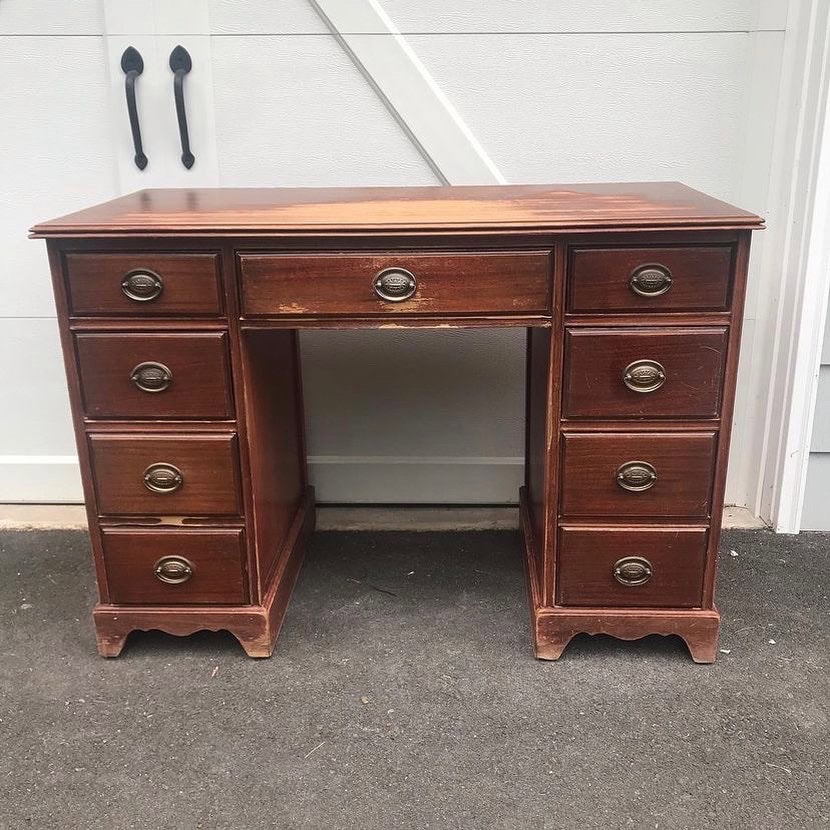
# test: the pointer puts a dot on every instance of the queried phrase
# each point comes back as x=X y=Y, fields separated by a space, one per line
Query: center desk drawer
x=172 y=566
x=155 y=375
x=180 y=475
x=636 y=373
x=389 y=283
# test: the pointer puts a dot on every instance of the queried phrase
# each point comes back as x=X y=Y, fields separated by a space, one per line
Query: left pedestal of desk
x=189 y=436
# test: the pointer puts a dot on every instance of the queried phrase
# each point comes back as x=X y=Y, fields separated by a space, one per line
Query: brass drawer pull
x=142 y=285
x=174 y=570
x=650 y=280
x=636 y=476
x=151 y=376
x=163 y=478
x=395 y=285
x=644 y=376
x=632 y=570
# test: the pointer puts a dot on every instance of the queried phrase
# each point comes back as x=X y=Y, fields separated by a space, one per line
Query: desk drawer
x=143 y=284
x=155 y=375
x=649 y=279
x=435 y=283
x=171 y=475
x=637 y=474
x=660 y=567
x=174 y=567
x=636 y=373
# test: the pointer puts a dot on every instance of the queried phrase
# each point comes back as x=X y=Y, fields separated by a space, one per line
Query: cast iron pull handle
x=142 y=285
x=395 y=284
x=174 y=570
x=181 y=64
x=632 y=570
x=644 y=376
x=650 y=280
x=163 y=478
x=636 y=476
x=132 y=66
x=151 y=376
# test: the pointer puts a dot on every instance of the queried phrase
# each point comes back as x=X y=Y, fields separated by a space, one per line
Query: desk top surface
x=240 y=211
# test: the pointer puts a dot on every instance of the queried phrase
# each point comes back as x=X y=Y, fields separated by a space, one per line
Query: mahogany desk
x=179 y=312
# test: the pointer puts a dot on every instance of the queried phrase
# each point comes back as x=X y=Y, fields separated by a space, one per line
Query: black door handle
x=132 y=65
x=181 y=64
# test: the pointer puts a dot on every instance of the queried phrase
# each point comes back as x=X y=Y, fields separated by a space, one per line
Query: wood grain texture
x=599 y=279
x=683 y=463
x=447 y=283
x=208 y=465
x=217 y=557
x=275 y=425
x=586 y=563
x=596 y=360
x=198 y=362
x=491 y=207
x=190 y=284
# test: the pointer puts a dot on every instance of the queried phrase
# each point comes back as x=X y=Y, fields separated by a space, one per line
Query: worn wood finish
x=217 y=558
x=596 y=360
x=190 y=284
x=343 y=284
x=200 y=385
x=244 y=270
x=569 y=207
x=600 y=279
x=591 y=466
x=208 y=465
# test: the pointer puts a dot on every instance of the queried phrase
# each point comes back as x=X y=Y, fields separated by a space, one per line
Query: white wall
x=567 y=91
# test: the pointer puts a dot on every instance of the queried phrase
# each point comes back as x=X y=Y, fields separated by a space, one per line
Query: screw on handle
x=151 y=376
x=181 y=64
x=650 y=280
x=636 y=476
x=174 y=570
x=644 y=375
x=132 y=65
x=163 y=478
x=632 y=570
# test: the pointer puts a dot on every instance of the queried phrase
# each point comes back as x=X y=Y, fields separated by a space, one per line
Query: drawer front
x=630 y=373
x=440 y=283
x=637 y=474
x=649 y=279
x=143 y=284
x=631 y=568
x=171 y=567
x=166 y=475
x=155 y=375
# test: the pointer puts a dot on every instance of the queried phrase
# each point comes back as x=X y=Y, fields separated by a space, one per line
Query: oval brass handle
x=644 y=375
x=173 y=569
x=650 y=280
x=151 y=376
x=632 y=570
x=163 y=478
x=636 y=476
x=395 y=285
x=142 y=285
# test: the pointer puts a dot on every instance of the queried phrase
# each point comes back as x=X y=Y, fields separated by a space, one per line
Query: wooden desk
x=179 y=312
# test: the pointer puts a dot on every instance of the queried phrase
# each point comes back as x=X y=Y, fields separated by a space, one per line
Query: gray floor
x=403 y=694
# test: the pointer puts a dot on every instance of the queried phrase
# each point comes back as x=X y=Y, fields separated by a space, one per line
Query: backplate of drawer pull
x=163 y=478
x=395 y=284
x=142 y=286
x=151 y=376
x=644 y=376
x=633 y=570
x=636 y=476
x=651 y=280
x=174 y=570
